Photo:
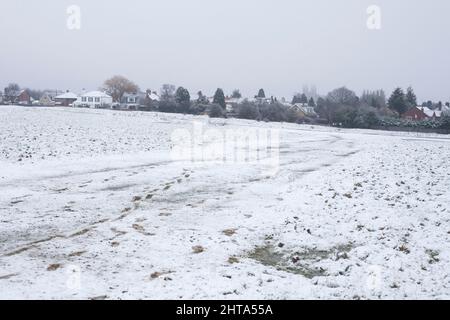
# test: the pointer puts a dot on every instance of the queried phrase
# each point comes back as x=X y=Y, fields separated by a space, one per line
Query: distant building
x=231 y=105
x=24 y=98
x=416 y=114
x=20 y=97
x=446 y=111
x=260 y=100
x=46 y=100
x=94 y=99
x=433 y=114
x=423 y=113
x=305 y=109
x=153 y=96
x=138 y=101
x=131 y=101
x=151 y=100
x=66 y=99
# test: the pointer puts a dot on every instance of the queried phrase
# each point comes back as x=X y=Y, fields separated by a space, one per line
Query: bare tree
x=12 y=87
x=11 y=91
x=343 y=96
x=168 y=92
x=117 y=86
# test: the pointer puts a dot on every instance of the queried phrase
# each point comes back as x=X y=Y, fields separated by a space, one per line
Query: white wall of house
x=94 y=99
x=130 y=102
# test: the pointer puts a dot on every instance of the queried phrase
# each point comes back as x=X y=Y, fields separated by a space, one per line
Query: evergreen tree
x=303 y=98
x=397 y=101
x=219 y=98
x=411 y=98
x=371 y=119
x=183 y=100
x=261 y=94
x=182 y=96
x=296 y=98
x=216 y=111
x=376 y=99
x=311 y=102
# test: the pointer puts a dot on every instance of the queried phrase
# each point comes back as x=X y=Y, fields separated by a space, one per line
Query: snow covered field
x=94 y=206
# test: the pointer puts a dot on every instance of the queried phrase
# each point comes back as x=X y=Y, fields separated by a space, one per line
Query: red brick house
x=24 y=98
x=416 y=114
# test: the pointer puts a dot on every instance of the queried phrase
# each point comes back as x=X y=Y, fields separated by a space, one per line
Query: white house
x=232 y=103
x=94 y=99
x=305 y=108
x=131 y=101
x=153 y=96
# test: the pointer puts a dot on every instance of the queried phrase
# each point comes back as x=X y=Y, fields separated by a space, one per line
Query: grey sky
x=278 y=45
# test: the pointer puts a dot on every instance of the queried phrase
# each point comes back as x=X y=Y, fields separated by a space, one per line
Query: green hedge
x=443 y=123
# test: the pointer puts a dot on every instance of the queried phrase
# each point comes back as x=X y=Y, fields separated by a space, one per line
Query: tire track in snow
x=124 y=213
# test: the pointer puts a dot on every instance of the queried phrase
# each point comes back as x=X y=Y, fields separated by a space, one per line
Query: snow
x=432 y=113
x=96 y=94
x=153 y=96
x=94 y=205
x=67 y=95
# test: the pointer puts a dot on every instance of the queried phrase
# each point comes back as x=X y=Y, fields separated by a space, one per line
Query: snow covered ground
x=93 y=205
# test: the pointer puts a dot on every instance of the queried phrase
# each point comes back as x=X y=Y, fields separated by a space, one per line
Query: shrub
x=197 y=108
x=356 y=117
x=445 y=123
x=167 y=106
x=293 y=117
x=216 y=111
x=424 y=124
x=248 y=110
x=274 y=112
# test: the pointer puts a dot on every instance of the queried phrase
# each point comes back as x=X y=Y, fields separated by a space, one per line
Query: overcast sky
x=278 y=45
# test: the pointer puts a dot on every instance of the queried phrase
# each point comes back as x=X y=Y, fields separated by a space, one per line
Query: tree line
x=340 y=107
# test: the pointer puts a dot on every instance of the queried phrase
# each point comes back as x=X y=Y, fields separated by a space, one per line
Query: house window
x=90 y=99
x=97 y=99
x=83 y=99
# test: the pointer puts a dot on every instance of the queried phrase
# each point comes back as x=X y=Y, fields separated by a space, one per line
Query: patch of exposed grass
x=54 y=267
x=198 y=249
x=301 y=262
